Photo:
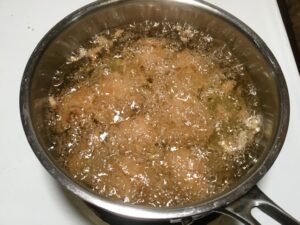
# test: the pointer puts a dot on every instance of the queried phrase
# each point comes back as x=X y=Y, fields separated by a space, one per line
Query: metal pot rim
x=141 y=212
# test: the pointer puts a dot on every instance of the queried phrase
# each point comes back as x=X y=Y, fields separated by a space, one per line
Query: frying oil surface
x=155 y=114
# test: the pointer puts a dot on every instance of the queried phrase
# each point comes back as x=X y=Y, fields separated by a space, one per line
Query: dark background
x=290 y=12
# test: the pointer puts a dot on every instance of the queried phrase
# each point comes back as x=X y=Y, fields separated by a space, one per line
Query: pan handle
x=241 y=209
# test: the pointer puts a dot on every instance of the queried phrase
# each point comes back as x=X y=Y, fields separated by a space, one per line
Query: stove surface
x=29 y=195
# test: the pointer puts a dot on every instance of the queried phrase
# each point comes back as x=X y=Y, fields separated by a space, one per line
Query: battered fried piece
x=153 y=123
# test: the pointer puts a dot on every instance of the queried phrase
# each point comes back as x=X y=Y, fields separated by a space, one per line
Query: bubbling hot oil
x=156 y=114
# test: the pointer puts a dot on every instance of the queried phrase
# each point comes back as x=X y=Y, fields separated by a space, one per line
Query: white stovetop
x=29 y=195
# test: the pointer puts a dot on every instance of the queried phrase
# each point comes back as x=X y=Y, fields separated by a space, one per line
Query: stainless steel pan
x=78 y=27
